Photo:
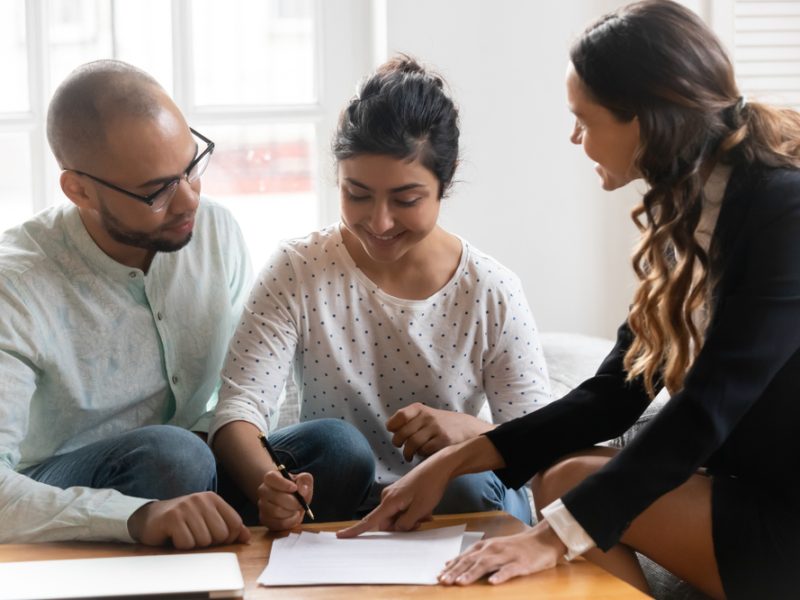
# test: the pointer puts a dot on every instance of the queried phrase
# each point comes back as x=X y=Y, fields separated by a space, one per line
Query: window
x=264 y=79
x=764 y=40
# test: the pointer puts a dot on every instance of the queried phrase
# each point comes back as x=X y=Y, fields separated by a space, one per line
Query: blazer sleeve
x=601 y=408
x=753 y=335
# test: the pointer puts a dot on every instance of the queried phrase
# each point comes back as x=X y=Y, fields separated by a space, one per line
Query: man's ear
x=76 y=188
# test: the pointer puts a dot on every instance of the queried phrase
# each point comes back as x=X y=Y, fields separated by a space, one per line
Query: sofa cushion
x=573 y=357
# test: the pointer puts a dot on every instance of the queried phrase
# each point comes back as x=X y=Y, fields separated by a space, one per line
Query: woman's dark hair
x=402 y=110
x=657 y=61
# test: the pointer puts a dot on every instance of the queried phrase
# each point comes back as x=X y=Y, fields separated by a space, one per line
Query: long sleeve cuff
x=111 y=522
x=567 y=529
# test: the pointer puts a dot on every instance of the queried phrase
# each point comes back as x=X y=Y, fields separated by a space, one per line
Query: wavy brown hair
x=658 y=62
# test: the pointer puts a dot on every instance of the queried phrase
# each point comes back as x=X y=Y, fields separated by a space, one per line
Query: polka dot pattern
x=359 y=354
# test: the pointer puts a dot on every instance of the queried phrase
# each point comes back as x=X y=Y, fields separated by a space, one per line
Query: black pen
x=284 y=472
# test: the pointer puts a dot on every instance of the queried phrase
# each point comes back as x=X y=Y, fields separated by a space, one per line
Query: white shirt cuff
x=567 y=529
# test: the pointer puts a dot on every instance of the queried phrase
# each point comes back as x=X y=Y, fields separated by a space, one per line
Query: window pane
x=14 y=66
x=136 y=31
x=253 y=52
x=264 y=174
x=15 y=192
x=80 y=31
x=143 y=30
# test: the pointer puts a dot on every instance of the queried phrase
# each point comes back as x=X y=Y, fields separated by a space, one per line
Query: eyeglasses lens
x=199 y=168
x=164 y=198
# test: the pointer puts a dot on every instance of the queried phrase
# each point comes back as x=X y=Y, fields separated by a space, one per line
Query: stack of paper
x=415 y=557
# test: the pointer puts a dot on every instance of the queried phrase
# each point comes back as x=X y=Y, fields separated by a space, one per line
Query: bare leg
x=675 y=531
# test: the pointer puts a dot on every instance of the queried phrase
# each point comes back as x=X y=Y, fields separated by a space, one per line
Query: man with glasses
x=117 y=309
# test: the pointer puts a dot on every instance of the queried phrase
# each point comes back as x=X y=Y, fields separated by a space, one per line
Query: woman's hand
x=506 y=557
x=411 y=499
x=278 y=509
x=423 y=430
x=406 y=503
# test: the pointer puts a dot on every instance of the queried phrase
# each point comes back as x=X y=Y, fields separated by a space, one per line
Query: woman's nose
x=381 y=219
x=576 y=137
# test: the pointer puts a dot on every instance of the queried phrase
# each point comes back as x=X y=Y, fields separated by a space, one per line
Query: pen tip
x=311 y=514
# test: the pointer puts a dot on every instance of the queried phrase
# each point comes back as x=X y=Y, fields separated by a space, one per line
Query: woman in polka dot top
x=397 y=333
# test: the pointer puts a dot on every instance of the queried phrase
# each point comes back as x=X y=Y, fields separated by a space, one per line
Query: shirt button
x=174 y=379
x=159 y=316
x=132 y=274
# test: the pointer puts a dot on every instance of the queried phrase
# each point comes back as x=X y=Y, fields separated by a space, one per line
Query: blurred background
x=265 y=79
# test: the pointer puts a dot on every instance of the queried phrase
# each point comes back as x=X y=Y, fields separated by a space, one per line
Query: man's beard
x=146 y=241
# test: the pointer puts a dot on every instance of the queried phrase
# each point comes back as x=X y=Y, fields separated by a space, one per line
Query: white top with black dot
x=359 y=354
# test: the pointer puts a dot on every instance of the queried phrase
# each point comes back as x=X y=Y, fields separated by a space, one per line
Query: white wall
x=526 y=195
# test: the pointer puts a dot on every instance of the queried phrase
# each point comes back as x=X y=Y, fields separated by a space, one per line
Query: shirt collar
x=87 y=247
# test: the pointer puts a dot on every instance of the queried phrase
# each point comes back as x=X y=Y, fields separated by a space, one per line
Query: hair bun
x=402 y=63
x=408 y=65
x=403 y=111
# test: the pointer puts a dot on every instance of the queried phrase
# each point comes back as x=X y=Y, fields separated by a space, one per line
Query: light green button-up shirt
x=90 y=348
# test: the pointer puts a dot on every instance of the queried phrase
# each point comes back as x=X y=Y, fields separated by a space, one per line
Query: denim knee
x=325 y=445
x=480 y=492
x=337 y=455
x=171 y=462
x=476 y=492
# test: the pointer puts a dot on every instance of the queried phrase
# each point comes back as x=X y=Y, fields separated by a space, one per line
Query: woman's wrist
x=549 y=536
x=472 y=456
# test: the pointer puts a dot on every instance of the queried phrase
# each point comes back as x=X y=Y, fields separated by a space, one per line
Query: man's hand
x=193 y=521
x=278 y=509
x=423 y=430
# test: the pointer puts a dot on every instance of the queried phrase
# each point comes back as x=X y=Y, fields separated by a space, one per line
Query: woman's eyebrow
x=401 y=188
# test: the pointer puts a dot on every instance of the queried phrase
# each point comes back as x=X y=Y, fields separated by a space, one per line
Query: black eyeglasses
x=160 y=199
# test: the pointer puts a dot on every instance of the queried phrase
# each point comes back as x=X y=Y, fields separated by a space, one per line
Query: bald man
x=117 y=308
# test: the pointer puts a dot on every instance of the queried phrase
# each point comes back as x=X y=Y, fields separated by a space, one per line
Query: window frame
x=344 y=39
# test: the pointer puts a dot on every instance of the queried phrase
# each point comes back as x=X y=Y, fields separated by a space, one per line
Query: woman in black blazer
x=709 y=489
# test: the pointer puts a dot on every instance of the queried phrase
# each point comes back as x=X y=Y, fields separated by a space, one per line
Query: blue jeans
x=157 y=461
x=343 y=465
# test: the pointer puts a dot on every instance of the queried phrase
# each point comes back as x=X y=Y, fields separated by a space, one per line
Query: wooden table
x=579 y=579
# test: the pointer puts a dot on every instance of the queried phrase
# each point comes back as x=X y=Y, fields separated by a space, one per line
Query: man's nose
x=187 y=197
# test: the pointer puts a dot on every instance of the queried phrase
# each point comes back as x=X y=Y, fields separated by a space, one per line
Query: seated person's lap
x=343 y=465
x=158 y=461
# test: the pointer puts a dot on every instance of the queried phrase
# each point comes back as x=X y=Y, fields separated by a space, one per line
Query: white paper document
x=413 y=558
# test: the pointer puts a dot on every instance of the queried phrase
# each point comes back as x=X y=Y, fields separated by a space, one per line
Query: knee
x=340 y=459
x=477 y=492
x=348 y=447
x=336 y=446
x=552 y=483
x=179 y=461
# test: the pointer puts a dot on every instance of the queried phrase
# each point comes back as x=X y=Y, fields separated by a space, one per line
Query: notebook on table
x=170 y=576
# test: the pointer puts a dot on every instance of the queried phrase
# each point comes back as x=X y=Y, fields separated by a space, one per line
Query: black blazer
x=739 y=411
